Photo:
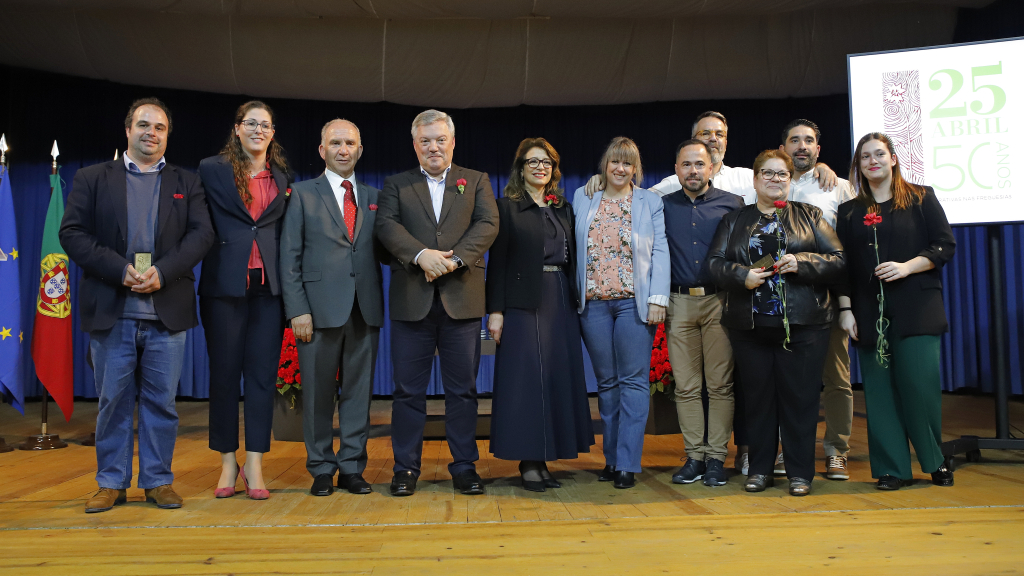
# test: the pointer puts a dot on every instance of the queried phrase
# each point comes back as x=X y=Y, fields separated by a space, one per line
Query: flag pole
x=44 y=440
x=3 y=162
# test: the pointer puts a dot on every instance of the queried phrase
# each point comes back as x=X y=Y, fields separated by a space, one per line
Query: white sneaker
x=780 y=466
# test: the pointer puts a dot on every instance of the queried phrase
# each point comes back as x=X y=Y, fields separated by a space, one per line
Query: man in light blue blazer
x=623 y=275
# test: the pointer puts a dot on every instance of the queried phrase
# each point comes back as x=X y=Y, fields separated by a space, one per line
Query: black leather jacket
x=819 y=258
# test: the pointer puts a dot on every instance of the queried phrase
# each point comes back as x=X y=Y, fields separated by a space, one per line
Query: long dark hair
x=240 y=164
x=903 y=193
x=516 y=187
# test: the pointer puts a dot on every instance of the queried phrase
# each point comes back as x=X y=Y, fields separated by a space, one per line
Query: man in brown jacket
x=437 y=221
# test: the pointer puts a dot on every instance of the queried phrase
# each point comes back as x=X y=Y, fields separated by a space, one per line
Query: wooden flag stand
x=44 y=441
x=4 y=447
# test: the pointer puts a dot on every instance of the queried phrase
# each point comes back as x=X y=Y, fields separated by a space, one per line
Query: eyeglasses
x=251 y=125
x=705 y=134
x=783 y=175
x=535 y=162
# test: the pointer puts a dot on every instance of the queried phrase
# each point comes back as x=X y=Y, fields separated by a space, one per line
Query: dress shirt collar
x=336 y=179
x=131 y=166
x=444 y=176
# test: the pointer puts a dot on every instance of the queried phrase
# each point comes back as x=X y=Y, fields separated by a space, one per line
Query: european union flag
x=10 y=301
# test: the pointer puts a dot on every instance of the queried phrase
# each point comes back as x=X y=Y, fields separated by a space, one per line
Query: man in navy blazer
x=333 y=294
x=119 y=213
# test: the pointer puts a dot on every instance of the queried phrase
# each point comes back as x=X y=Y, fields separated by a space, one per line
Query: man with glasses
x=698 y=346
x=800 y=139
x=136 y=227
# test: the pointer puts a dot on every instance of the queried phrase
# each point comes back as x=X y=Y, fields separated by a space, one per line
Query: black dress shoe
x=469 y=483
x=758 y=482
x=606 y=475
x=323 y=485
x=354 y=483
x=890 y=482
x=404 y=483
x=943 y=476
x=624 y=479
x=549 y=480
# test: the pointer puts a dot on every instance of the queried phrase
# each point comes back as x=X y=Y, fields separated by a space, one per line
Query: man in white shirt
x=712 y=129
x=800 y=139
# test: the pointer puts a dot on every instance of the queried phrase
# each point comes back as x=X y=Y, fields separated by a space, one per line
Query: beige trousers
x=837 y=396
x=699 y=349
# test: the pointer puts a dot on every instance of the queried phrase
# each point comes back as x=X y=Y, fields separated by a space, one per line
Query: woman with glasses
x=897 y=239
x=240 y=291
x=540 y=408
x=622 y=275
x=776 y=260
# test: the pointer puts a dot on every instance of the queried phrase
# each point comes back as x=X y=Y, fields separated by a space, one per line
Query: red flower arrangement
x=661 y=369
x=289 y=380
x=461 y=183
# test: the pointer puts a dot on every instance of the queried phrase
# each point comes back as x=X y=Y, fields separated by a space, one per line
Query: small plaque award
x=143 y=260
x=766 y=263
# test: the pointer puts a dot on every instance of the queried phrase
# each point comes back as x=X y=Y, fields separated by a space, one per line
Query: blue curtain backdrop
x=86 y=117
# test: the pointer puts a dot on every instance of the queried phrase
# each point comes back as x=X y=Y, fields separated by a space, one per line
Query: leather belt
x=548 y=268
x=695 y=290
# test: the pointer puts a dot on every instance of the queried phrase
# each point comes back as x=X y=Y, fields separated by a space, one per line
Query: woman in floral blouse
x=623 y=275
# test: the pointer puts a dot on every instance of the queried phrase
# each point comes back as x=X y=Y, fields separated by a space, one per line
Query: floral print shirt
x=766 y=240
x=610 y=251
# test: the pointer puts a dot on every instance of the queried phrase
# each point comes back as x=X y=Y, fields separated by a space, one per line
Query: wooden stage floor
x=975 y=527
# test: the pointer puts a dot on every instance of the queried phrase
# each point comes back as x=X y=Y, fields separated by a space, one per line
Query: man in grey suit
x=333 y=295
x=437 y=221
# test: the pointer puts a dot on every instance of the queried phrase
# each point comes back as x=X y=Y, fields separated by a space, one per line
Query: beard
x=694 y=186
x=805 y=165
x=716 y=155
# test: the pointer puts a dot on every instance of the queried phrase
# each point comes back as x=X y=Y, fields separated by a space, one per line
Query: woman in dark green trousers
x=896 y=239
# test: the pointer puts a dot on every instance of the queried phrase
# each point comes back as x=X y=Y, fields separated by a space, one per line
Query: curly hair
x=240 y=162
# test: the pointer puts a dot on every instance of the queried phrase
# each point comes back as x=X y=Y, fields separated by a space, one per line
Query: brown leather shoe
x=163 y=496
x=105 y=499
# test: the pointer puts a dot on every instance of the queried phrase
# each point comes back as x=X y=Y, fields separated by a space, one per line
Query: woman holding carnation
x=776 y=260
x=897 y=238
x=540 y=407
x=240 y=291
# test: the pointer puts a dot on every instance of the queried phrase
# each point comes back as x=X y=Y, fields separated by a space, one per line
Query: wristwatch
x=458 y=261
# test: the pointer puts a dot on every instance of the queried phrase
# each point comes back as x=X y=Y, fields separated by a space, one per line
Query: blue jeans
x=619 y=345
x=142 y=348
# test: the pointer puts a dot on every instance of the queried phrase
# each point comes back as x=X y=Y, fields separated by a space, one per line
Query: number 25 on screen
x=952 y=111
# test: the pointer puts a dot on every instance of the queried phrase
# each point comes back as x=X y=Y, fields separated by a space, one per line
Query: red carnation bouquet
x=661 y=369
x=289 y=380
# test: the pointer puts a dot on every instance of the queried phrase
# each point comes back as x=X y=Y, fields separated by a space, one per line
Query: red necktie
x=350 y=210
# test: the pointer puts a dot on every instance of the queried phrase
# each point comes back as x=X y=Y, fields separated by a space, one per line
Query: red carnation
x=373 y=207
x=780 y=204
x=551 y=199
x=872 y=219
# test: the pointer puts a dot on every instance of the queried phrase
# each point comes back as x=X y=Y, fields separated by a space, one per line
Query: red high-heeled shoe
x=254 y=493
x=228 y=491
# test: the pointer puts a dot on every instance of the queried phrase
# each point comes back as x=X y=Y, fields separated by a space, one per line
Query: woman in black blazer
x=240 y=291
x=540 y=407
x=892 y=308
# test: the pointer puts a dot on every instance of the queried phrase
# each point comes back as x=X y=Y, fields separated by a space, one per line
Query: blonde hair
x=624 y=150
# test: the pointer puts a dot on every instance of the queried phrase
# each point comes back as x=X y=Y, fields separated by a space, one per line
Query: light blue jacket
x=651 y=268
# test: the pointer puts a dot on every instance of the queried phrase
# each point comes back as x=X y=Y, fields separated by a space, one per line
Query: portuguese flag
x=51 y=337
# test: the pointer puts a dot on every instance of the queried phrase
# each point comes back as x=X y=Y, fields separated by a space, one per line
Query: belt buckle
x=698 y=291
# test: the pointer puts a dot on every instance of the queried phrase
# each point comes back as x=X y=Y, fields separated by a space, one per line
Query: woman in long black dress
x=540 y=408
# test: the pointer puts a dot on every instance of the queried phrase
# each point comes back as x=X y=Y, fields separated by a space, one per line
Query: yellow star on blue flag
x=12 y=386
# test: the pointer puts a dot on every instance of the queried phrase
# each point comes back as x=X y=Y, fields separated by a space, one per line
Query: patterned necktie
x=350 y=210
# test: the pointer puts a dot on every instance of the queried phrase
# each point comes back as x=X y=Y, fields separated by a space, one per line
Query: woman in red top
x=240 y=291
